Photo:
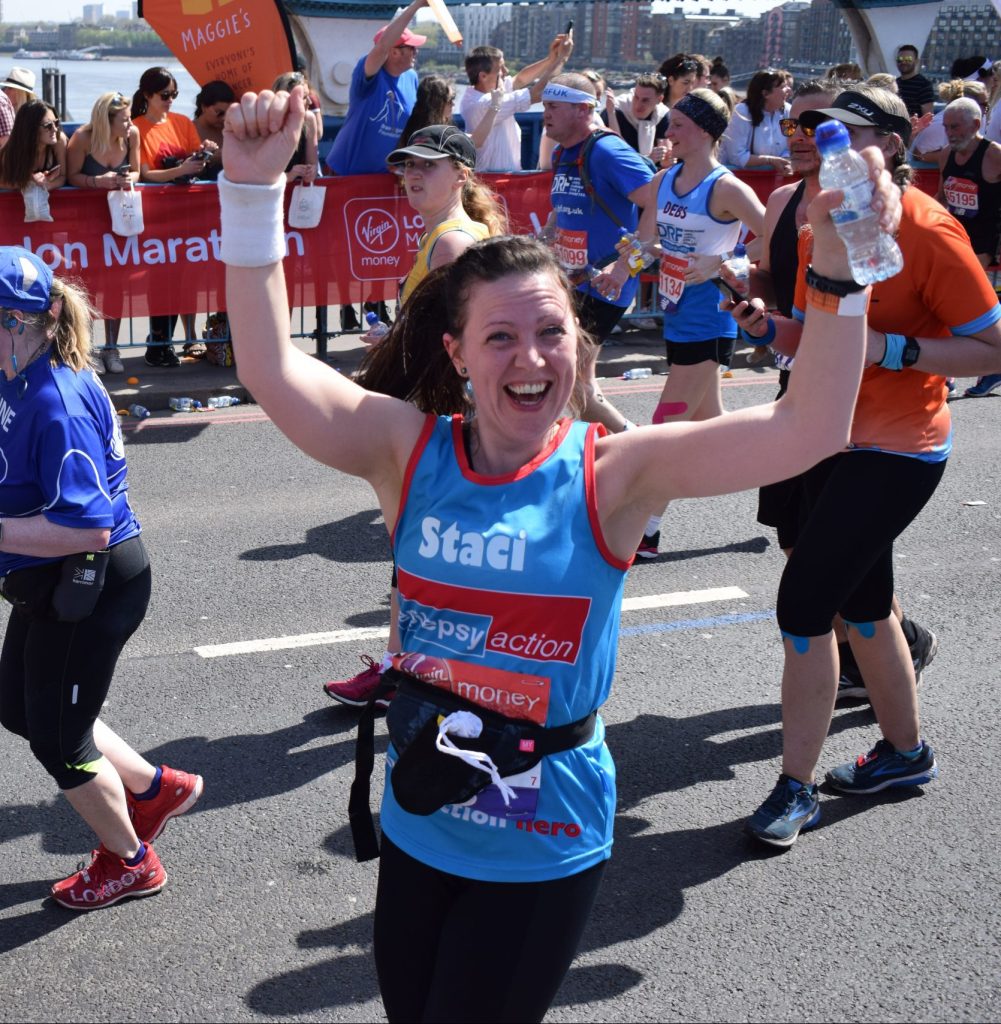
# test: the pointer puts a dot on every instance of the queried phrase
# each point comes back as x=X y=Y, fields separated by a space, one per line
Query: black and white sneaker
x=649 y=545
x=923 y=650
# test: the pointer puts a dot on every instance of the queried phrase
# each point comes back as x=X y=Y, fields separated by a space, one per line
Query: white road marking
x=342 y=636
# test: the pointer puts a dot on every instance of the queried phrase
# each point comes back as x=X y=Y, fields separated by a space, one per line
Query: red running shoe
x=179 y=792
x=108 y=880
x=358 y=690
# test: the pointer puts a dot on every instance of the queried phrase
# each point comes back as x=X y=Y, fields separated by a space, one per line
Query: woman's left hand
x=702 y=268
x=609 y=283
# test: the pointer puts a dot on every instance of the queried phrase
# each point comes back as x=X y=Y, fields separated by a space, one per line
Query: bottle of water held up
x=872 y=254
x=740 y=266
x=376 y=328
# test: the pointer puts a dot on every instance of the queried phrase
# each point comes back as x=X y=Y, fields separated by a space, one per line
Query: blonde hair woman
x=104 y=154
x=63 y=639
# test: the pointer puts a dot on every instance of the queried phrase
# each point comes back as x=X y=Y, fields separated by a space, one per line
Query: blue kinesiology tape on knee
x=865 y=629
x=800 y=644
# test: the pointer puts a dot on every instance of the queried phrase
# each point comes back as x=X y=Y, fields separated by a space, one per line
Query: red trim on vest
x=477 y=478
x=595 y=431
x=415 y=457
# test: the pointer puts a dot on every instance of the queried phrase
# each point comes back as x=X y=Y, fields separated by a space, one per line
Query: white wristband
x=253 y=223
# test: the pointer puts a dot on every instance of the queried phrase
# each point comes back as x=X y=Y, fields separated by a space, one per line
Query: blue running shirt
x=511 y=577
x=61 y=454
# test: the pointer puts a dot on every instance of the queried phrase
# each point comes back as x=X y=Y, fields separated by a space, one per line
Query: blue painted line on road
x=682 y=624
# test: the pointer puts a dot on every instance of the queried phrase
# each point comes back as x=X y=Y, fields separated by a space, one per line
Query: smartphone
x=569 y=27
x=53 y=172
x=728 y=291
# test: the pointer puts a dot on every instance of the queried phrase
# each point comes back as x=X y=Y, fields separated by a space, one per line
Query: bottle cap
x=371 y=318
x=740 y=249
x=832 y=135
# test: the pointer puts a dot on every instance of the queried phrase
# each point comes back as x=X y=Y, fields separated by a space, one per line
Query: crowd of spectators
x=145 y=140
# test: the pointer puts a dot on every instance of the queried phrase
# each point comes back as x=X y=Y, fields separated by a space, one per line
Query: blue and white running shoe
x=884 y=766
x=789 y=809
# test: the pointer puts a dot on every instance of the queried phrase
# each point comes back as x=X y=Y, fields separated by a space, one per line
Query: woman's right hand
x=830 y=258
x=262 y=132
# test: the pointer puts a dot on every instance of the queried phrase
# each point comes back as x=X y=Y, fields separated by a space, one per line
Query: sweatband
x=565 y=94
x=766 y=339
x=698 y=110
x=893 y=357
x=252 y=223
x=854 y=304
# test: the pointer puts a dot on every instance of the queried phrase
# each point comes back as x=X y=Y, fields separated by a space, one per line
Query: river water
x=87 y=79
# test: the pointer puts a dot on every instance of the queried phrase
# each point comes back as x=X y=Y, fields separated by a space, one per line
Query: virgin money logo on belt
x=470 y=622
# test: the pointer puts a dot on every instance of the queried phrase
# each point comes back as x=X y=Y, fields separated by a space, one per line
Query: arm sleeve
x=73 y=471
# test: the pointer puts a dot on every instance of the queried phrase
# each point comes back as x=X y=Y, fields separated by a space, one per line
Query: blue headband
x=565 y=94
x=698 y=110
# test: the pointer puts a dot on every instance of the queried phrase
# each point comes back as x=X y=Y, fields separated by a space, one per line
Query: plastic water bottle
x=183 y=404
x=224 y=401
x=140 y=412
x=639 y=258
x=376 y=328
x=740 y=266
x=872 y=254
x=637 y=373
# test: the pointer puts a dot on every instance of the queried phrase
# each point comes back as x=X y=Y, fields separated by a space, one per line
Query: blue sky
x=67 y=10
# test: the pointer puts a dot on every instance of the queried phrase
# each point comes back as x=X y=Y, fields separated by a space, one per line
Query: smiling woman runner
x=495 y=518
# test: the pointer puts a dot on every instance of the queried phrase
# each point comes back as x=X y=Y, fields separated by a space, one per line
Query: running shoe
x=649 y=546
x=950 y=387
x=758 y=355
x=162 y=355
x=109 y=879
x=357 y=691
x=984 y=386
x=884 y=766
x=790 y=808
x=923 y=650
x=112 y=361
x=179 y=792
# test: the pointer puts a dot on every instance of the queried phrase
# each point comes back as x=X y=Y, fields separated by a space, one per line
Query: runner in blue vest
x=512 y=530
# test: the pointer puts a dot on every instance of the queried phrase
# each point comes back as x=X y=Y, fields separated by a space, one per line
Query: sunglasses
x=48 y=126
x=788 y=126
x=905 y=60
x=165 y=96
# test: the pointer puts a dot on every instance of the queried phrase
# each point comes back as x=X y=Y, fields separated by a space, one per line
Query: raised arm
x=323 y=413
x=379 y=53
x=641 y=470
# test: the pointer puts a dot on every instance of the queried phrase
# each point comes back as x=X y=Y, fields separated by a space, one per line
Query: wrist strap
x=253 y=229
x=894 y=354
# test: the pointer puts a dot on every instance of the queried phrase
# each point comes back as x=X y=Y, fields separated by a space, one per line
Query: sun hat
x=855 y=109
x=436 y=142
x=19 y=78
x=25 y=281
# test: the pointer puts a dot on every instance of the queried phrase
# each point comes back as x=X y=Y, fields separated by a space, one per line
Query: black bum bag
x=423 y=778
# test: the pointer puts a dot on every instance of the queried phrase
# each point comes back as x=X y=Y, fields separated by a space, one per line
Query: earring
x=464 y=372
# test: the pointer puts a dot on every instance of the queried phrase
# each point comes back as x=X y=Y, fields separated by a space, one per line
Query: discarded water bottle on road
x=183 y=404
x=872 y=254
x=140 y=412
x=637 y=373
x=376 y=328
x=222 y=401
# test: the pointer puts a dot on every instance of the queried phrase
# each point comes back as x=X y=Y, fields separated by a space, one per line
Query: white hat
x=20 y=78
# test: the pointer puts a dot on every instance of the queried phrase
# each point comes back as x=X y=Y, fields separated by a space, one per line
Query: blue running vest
x=510 y=576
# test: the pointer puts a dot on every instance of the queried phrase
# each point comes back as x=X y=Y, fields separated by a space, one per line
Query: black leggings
x=596 y=316
x=455 y=949
x=857 y=504
x=55 y=676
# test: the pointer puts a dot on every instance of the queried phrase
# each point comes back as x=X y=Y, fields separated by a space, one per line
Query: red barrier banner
x=365 y=243
x=247 y=44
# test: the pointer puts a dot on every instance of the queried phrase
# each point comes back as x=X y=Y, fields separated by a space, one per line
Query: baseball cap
x=407 y=39
x=855 y=109
x=436 y=142
x=25 y=281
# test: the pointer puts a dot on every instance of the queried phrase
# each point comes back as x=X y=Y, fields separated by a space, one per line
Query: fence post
x=320 y=334
x=54 y=91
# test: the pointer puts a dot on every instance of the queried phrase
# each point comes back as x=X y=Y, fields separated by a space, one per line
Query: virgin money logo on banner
x=246 y=43
x=383 y=233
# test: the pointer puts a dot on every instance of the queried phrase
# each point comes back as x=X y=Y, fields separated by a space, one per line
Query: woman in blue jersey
x=74 y=569
x=512 y=530
x=696 y=212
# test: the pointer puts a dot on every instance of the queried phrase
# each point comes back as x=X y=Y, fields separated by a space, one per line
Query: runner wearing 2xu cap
x=512 y=530
x=75 y=570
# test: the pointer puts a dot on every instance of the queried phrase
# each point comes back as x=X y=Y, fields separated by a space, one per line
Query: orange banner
x=247 y=44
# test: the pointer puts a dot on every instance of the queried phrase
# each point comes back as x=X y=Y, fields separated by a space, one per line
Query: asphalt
x=153 y=386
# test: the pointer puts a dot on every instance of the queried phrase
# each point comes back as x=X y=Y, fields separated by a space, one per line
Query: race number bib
x=962 y=197
x=672 y=282
x=571 y=249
